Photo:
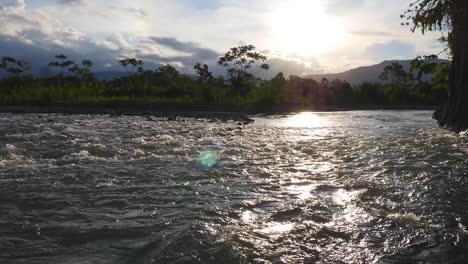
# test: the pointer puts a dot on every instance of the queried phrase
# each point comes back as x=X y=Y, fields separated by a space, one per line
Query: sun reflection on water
x=275 y=228
x=303 y=192
x=248 y=217
x=351 y=213
x=306 y=120
x=342 y=197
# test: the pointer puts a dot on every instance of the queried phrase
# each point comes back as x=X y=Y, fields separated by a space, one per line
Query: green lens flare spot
x=208 y=158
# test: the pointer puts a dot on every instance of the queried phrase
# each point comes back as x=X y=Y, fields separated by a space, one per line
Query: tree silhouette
x=130 y=64
x=395 y=73
x=168 y=71
x=14 y=66
x=325 y=83
x=431 y=65
x=133 y=63
x=84 y=70
x=203 y=72
x=242 y=63
x=451 y=16
x=61 y=62
x=168 y=77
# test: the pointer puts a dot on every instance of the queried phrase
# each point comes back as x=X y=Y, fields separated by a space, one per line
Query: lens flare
x=208 y=158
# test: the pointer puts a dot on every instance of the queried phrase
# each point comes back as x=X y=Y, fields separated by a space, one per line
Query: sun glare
x=303 y=27
x=305 y=120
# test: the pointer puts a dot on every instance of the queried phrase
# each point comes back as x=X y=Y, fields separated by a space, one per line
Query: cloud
x=130 y=10
x=170 y=50
x=116 y=41
x=203 y=4
x=72 y=2
x=289 y=67
x=188 y=47
x=390 y=51
x=36 y=37
x=370 y=32
x=137 y=11
x=344 y=6
x=14 y=5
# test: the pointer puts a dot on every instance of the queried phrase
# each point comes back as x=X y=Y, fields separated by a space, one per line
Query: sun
x=302 y=27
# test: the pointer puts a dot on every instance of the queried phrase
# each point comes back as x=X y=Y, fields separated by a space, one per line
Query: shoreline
x=172 y=111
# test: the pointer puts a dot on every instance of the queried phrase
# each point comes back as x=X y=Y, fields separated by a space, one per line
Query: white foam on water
x=72 y=130
x=77 y=140
x=206 y=141
x=275 y=228
x=106 y=184
x=16 y=157
x=14 y=154
x=166 y=138
x=84 y=154
x=138 y=140
x=464 y=133
x=138 y=152
x=405 y=218
x=10 y=147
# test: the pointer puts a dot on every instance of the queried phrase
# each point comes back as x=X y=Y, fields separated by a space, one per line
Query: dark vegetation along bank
x=451 y=18
x=165 y=88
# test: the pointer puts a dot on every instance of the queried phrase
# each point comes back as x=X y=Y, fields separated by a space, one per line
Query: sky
x=299 y=36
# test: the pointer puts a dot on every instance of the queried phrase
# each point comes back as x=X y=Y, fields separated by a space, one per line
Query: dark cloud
x=40 y=50
x=186 y=47
x=39 y=56
x=390 y=50
x=191 y=53
x=36 y=39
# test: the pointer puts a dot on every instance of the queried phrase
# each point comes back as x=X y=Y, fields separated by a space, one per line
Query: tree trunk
x=455 y=114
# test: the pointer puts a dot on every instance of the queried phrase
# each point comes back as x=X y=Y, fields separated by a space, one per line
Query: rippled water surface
x=351 y=187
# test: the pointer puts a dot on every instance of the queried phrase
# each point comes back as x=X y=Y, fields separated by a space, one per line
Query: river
x=342 y=187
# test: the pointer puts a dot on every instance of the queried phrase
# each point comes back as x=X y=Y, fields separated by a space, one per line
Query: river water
x=344 y=187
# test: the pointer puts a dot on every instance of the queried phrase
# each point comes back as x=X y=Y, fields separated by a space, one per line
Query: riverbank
x=173 y=111
x=170 y=112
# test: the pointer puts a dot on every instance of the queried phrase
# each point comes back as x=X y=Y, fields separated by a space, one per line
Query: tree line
x=76 y=83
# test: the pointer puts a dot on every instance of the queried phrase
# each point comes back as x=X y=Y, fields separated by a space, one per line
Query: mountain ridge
x=364 y=73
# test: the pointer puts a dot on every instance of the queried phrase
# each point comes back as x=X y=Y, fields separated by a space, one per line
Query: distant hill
x=353 y=76
x=363 y=74
x=108 y=75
